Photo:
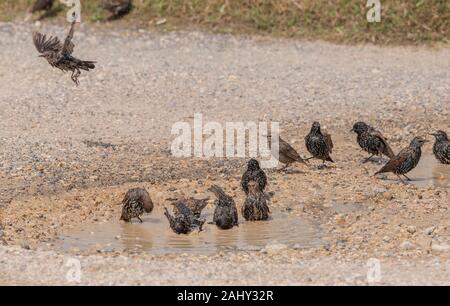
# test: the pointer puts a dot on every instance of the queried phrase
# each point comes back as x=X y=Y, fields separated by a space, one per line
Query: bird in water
x=184 y=220
x=253 y=173
x=319 y=144
x=117 y=8
x=255 y=206
x=406 y=160
x=372 y=141
x=195 y=205
x=441 y=148
x=40 y=6
x=135 y=203
x=225 y=214
x=59 y=55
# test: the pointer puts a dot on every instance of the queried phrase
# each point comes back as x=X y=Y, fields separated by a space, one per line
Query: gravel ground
x=68 y=153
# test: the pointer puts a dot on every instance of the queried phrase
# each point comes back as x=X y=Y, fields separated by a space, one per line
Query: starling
x=441 y=148
x=183 y=221
x=117 y=8
x=286 y=153
x=255 y=206
x=135 y=203
x=41 y=5
x=226 y=214
x=406 y=160
x=319 y=144
x=60 y=55
x=372 y=141
x=195 y=205
x=253 y=173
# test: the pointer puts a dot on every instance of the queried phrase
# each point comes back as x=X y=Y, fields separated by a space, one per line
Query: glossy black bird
x=319 y=144
x=225 y=214
x=59 y=55
x=441 y=148
x=406 y=160
x=117 y=8
x=253 y=173
x=256 y=206
x=135 y=203
x=195 y=205
x=372 y=141
x=286 y=153
x=183 y=221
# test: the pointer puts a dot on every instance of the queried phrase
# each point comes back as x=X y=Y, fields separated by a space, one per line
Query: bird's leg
x=140 y=220
x=75 y=74
x=407 y=177
x=283 y=168
x=404 y=183
x=368 y=159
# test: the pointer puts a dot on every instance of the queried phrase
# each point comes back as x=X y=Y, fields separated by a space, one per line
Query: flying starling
x=286 y=153
x=195 y=205
x=255 y=206
x=135 y=203
x=253 y=173
x=59 y=55
x=183 y=221
x=441 y=148
x=117 y=8
x=406 y=160
x=226 y=214
x=372 y=141
x=319 y=144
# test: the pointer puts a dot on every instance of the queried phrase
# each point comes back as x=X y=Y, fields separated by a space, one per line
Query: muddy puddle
x=154 y=236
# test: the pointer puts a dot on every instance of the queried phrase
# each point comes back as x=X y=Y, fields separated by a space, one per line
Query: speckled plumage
x=59 y=55
x=183 y=221
x=441 y=148
x=225 y=214
x=253 y=173
x=135 y=203
x=406 y=160
x=195 y=205
x=117 y=8
x=319 y=144
x=372 y=141
x=256 y=206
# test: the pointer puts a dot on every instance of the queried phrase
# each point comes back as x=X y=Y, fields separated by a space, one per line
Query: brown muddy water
x=155 y=236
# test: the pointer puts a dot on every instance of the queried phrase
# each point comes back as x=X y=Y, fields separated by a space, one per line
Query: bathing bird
x=255 y=206
x=135 y=203
x=225 y=214
x=253 y=173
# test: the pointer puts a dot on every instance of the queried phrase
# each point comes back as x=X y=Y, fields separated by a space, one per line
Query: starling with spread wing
x=59 y=55
x=406 y=160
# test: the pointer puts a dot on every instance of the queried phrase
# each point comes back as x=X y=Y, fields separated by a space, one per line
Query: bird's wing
x=328 y=141
x=388 y=151
x=288 y=150
x=68 y=44
x=42 y=44
x=396 y=161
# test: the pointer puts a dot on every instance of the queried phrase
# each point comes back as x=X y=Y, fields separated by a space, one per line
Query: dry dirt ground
x=68 y=154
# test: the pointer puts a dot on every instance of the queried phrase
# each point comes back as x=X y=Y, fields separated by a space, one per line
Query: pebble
x=440 y=247
x=407 y=245
x=275 y=248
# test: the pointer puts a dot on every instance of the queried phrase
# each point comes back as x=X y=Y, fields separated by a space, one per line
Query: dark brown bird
x=117 y=8
x=225 y=214
x=255 y=206
x=372 y=141
x=41 y=5
x=135 y=203
x=59 y=55
x=183 y=221
x=286 y=153
x=406 y=160
x=195 y=205
x=319 y=144
x=253 y=173
x=441 y=148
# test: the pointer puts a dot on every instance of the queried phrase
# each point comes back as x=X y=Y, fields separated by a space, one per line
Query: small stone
x=440 y=247
x=411 y=229
x=387 y=195
x=386 y=239
x=430 y=230
x=275 y=248
x=407 y=245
